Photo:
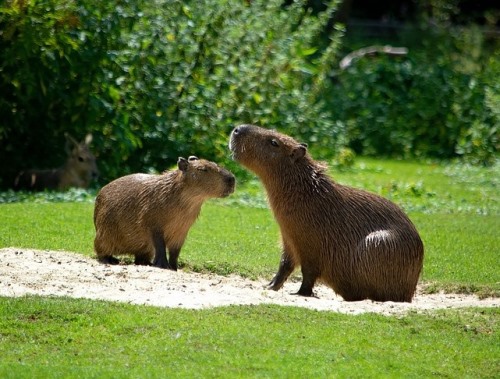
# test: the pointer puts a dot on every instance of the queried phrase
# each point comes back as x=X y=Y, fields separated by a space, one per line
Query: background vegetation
x=153 y=80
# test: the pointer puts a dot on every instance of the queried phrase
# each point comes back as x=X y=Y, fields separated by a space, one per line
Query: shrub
x=440 y=101
x=155 y=80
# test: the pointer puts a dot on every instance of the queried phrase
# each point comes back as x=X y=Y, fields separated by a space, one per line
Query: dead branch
x=371 y=50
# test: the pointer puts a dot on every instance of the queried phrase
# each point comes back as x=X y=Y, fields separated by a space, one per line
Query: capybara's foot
x=161 y=263
x=280 y=278
x=173 y=268
x=275 y=285
x=311 y=294
x=109 y=260
x=305 y=290
x=285 y=268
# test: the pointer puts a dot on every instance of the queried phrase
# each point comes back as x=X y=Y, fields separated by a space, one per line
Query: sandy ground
x=56 y=273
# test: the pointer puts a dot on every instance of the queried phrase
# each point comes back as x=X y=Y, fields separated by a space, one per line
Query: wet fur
x=145 y=215
x=360 y=244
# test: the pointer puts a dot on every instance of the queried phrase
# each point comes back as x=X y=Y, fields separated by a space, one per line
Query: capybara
x=360 y=244
x=78 y=171
x=143 y=215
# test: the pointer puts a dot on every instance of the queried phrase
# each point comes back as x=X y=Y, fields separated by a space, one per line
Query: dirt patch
x=56 y=273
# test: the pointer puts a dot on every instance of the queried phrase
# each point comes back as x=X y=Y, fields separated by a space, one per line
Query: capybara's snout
x=229 y=182
x=237 y=133
x=241 y=129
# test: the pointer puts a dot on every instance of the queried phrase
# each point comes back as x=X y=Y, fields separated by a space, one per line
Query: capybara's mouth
x=228 y=191
x=230 y=186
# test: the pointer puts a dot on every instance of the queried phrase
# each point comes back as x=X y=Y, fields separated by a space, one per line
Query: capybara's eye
x=80 y=159
x=274 y=143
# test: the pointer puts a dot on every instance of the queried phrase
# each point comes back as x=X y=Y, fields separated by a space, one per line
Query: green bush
x=155 y=80
x=52 y=58
x=439 y=101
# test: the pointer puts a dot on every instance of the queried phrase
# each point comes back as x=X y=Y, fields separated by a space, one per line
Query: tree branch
x=371 y=50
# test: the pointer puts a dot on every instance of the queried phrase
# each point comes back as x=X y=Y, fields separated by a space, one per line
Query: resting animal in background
x=360 y=244
x=143 y=215
x=78 y=171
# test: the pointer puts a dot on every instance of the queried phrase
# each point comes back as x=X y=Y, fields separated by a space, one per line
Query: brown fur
x=360 y=244
x=143 y=215
x=78 y=171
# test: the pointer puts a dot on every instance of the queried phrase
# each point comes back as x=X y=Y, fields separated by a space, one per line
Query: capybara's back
x=144 y=215
x=360 y=244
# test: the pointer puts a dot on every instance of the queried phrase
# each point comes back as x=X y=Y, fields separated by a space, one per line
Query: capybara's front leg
x=285 y=269
x=160 y=252
x=173 y=255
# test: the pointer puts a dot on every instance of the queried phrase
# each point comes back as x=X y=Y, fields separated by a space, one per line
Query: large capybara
x=143 y=215
x=360 y=244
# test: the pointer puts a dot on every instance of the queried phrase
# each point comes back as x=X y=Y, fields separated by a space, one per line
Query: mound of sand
x=57 y=273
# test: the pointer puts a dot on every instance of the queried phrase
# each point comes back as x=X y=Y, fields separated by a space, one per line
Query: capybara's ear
x=192 y=158
x=182 y=163
x=299 y=152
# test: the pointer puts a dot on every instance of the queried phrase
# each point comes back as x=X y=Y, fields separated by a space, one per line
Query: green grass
x=52 y=338
x=455 y=208
x=54 y=226
x=429 y=188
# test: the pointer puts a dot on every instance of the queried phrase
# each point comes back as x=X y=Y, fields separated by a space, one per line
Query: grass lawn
x=455 y=208
x=53 y=338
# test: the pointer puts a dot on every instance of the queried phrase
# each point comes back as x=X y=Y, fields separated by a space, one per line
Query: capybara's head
x=204 y=178
x=264 y=151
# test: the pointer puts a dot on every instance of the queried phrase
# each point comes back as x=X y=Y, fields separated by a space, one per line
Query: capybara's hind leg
x=309 y=277
x=285 y=269
x=110 y=260
x=160 y=252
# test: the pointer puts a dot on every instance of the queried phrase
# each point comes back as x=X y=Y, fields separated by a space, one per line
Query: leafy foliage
x=420 y=106
x=155 y=80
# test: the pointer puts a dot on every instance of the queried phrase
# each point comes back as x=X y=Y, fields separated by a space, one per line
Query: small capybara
x=143 y=215
x=360 y=244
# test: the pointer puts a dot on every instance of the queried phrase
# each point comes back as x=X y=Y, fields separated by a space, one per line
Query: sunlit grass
x=52 y=338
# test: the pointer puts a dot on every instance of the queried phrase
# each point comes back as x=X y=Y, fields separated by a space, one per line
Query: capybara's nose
x=241 y=129
x=230 y=180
